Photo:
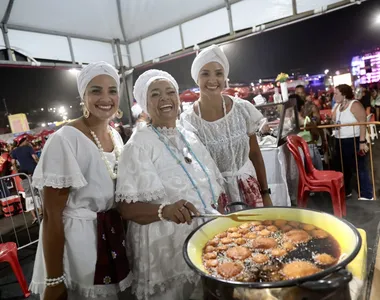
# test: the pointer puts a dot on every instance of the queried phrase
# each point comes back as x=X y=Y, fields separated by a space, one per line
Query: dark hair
x=21 y=141
x=300 y=86
x=300 y=101
x=346 y=91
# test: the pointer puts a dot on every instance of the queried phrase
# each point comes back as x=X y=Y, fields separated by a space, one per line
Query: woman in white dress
x=81 y=245
x=165 y=176
x=227 y=126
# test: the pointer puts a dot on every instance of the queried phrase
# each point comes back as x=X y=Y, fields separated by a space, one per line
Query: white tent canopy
x=82 y=31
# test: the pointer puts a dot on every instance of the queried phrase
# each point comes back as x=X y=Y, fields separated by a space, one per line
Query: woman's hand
x=58 y=292
x=363 y=149
x=267 y=201
x=180 y=212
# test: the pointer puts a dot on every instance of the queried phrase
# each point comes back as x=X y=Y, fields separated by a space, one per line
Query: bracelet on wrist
x=160 y=210
x=363 y=142
x=55 y=281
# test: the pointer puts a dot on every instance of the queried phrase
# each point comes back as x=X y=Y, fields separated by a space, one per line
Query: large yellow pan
x=344 y=232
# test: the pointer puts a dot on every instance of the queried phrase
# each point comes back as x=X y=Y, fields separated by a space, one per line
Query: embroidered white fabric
x=227 y=139
x=70 y=159
x=147 y=168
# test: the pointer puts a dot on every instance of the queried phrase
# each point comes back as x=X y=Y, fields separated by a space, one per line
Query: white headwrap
x=209 y=54
x=92 y=70
x=140 y=90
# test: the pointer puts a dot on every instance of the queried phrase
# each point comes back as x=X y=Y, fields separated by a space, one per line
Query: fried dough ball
x=221 y=235
x=222 y=248
x=226 y=240
x=286 y=228
x=297 y=269
x=240 y=241
x=294 y=223
x=277 y=252
x=232 y=229
x=212 y=263
x=324 y=259
x=259 y=227
x=243 y=231
x=264 y=232
x=264 y=243
x=288 y=246
x=267 y=222
x=280 y=223
x=308 y=227
x=272 y=228
x=260 y=258
x=255 y=223
x=319 y=234
x=245 y=226
x=213 y=242
x=210 y=255
x=230 y=269
x=250 y=235
x=209 y=249
x=297 y=236
x=239 y=253
x=235 y=235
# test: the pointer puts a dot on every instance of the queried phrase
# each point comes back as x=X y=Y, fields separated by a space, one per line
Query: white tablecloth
x=282 y=175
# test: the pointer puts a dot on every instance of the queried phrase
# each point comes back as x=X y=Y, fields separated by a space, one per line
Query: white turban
x=92 y=70
x=209 y=54
x=140 y=90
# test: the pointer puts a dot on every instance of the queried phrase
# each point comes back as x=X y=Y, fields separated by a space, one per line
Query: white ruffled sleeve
x=137 y=179
x=58 y=166
x=252 y=116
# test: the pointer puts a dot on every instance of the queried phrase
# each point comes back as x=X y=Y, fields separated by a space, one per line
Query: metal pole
x=71 y=49
x=294 y=5
x=141 y=51
x=182 y=38
x=228 y=7
x=38 y=64
x=124 y=82
x=6 y=107
x=6 y=41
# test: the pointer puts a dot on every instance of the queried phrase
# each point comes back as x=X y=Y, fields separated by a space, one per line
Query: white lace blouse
x=149 y=173
x=227 y=139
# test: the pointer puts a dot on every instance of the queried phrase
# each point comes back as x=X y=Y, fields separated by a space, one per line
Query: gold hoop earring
x=119 y=114
x=86 y=112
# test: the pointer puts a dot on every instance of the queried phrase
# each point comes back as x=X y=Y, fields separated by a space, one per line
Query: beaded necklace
x=162 y=139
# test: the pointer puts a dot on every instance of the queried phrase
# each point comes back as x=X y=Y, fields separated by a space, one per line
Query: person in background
x=375 y=97
x=309 y=109
x=120 y=129
x=27 y=160
x=5 y=170
x=350 y=111
x=227 y=126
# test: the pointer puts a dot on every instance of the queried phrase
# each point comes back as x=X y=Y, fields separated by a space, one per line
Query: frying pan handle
x=234 y=207
x=341 y=278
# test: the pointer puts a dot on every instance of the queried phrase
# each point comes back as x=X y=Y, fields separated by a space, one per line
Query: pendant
x=188 y=160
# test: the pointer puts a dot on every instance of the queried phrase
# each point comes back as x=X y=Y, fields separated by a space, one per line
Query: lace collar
x=167 y=131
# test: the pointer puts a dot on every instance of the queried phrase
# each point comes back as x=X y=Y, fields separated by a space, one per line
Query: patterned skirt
x=250 y=193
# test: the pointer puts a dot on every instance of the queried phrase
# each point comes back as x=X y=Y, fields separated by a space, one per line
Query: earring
x=119 y=114
x=86 y=112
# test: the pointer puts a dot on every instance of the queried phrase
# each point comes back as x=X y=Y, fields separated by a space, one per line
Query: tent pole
x=124 y=83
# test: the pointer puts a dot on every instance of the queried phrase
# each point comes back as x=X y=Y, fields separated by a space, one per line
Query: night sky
x=324 y=42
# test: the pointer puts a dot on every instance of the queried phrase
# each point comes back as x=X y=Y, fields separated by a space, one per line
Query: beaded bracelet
x=160 y=209
x=55 y=281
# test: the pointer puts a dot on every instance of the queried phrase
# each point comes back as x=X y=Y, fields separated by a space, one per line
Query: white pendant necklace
x=113 y=173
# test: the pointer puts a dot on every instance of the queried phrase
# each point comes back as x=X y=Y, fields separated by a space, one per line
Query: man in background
x=27 y=160
x=309 y=109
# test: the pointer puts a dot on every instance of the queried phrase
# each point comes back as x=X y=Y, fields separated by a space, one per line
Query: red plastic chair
x=8 y=253
x=313 y=180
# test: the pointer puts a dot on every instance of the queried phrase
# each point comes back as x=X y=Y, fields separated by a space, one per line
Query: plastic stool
x=8 y=253
x=373 y=132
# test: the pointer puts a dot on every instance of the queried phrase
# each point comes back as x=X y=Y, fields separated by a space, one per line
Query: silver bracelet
x=160 y=209
x=55 y=281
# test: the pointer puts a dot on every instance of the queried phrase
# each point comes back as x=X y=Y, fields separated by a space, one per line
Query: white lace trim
x=88 y=292
x=59 y=182
x=147 y=196
x=140 y=290
x=167 y=131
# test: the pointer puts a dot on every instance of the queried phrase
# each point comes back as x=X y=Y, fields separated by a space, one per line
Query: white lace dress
x=227 y=140
x=149 y=173
x=70 y=159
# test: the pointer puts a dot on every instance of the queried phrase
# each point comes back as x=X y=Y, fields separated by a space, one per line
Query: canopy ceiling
x=88 y=30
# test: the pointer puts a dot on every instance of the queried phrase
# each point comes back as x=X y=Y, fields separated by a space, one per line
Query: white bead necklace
x=113 y=173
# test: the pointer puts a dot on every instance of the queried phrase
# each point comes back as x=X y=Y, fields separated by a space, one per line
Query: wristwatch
x=267 y=191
